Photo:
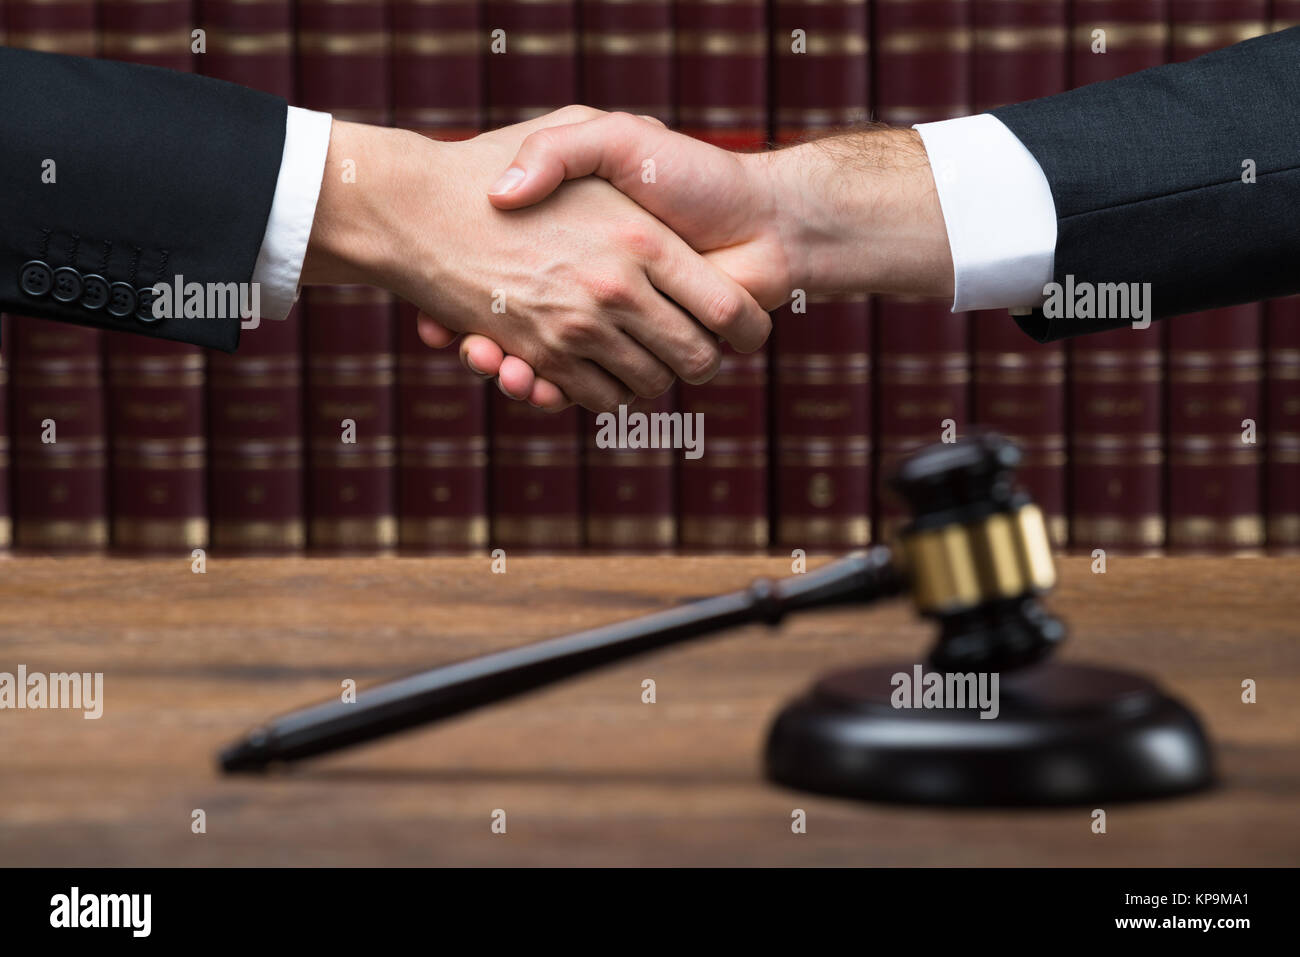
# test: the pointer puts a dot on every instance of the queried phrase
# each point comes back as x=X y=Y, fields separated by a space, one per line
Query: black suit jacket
x=157 y=173
x=1146 y=174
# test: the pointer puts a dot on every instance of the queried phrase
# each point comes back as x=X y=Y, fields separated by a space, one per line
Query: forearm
x=859 y=212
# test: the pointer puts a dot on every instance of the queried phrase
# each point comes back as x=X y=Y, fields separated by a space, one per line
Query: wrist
x=355 y=235
x=860 y=213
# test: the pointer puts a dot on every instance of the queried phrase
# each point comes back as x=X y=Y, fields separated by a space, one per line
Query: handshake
x=630 y=276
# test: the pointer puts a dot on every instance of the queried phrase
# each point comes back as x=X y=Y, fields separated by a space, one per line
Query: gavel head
x=977 y=555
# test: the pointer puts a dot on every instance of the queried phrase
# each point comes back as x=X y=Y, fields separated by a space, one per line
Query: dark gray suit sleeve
x=1147 y=171
x=155 y=174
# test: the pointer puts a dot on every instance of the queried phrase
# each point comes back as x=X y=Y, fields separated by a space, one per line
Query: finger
x=480 y=355
x=432 y=332
x=715 y=299
x=516 y=378
x=592 y=387
x=605 y=343
x=653 y=119
x=603 y=147
x=548 y=396
x=689 y=350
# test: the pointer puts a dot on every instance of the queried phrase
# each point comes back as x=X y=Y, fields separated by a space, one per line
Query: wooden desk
x=586 y=773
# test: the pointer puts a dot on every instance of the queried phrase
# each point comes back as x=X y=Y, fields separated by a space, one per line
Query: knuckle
x=610 y=292
x=703 y=364
x=577 y=112
x=655 y=383
x=639 y=240
x=722 y=313
x=576 y=333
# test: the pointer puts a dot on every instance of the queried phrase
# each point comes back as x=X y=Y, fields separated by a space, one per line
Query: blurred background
x=1182 y=437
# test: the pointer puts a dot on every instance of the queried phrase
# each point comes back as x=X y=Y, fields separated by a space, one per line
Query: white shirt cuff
x=998 y=210
x=288 y=227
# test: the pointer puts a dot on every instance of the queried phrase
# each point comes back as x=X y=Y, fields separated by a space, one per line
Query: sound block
x=1064 y=734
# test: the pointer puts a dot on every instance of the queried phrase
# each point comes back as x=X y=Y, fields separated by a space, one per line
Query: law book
x=6 y=517
x=722 y=98
x=344 y=68
x=1215 y=370
x=255 y=471
x=627 y=64
x=1116 y=378
x=536 y=485
x=1282 y=401
x=1285 y=14
x=442 y=469
x=1020 y=53
x=821 y=346
x=60 y=454
x=156 y=397
x=921 y=73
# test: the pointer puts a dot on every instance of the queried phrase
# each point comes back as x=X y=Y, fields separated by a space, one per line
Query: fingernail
x=503 y=390
x=473 y=368
x=508 y=181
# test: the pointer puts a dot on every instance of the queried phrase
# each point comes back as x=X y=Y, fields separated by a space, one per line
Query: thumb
x=602 y=147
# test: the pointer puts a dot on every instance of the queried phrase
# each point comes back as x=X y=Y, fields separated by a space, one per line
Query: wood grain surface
x=586 y=773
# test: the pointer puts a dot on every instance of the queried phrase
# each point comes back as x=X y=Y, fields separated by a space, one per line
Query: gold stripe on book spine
x=249 y=44
x=73 y=42
x=256 y=535
x=424 y=43
x=537 y=531
x=1284 y=530
x=715 y=43
x=538 y=44
x=343 y=44
x=1193 y=531
x=456 y=533
x=1143 y=531
x=657 y=43
x=628 y=530
x=6 y=525
x=130 y=44
x=1123 y=34
x=343 y=533
x=160 y=533
x=924 y=41
x=1213 y=35
x=746 y=533
x=1017 y=40
x=88 y=534
x=819 y=44
x=839 y=530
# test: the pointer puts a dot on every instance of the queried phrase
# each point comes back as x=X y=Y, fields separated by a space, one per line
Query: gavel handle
x=463 y=686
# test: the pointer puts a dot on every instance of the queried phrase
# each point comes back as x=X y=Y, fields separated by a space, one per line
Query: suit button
x=94 y=292
x=145 y=297
x=121 y=300
x=35 y=278
x=67 y=284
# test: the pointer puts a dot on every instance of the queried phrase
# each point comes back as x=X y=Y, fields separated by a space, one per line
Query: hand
x=588 y=289
x=855 y=212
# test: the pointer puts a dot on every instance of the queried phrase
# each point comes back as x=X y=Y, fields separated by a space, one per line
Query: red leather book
x=536 y=474
x=821 y=381
x=1282 y=452
x=627 y=64
x=60 y=488
x=442 y=409
x=1285 y=14
x=156 y=413
x=532 y=59
x=344 y=68
x=1020 y=54
x=6 y=519
x=255 y=396
x=1214 y=360
x=721 y=77
x=921 y=74
x=1117 y=453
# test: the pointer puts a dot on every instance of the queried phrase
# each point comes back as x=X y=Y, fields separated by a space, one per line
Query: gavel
x=975 y=557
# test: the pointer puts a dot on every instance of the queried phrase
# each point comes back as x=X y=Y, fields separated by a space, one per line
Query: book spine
x=627 y=64
x=59 y=470
x=921 y=74
x=255 y=474
x=721 y=81
x=349 y=331
x=156 y=414
x=442 y=409
x=1019 y=54
x=536 y=474
x=821 y=352
x=1282 y=385
x=1117 y=442
x=6 y=514
x=1282 y=452
x=1214 y=362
